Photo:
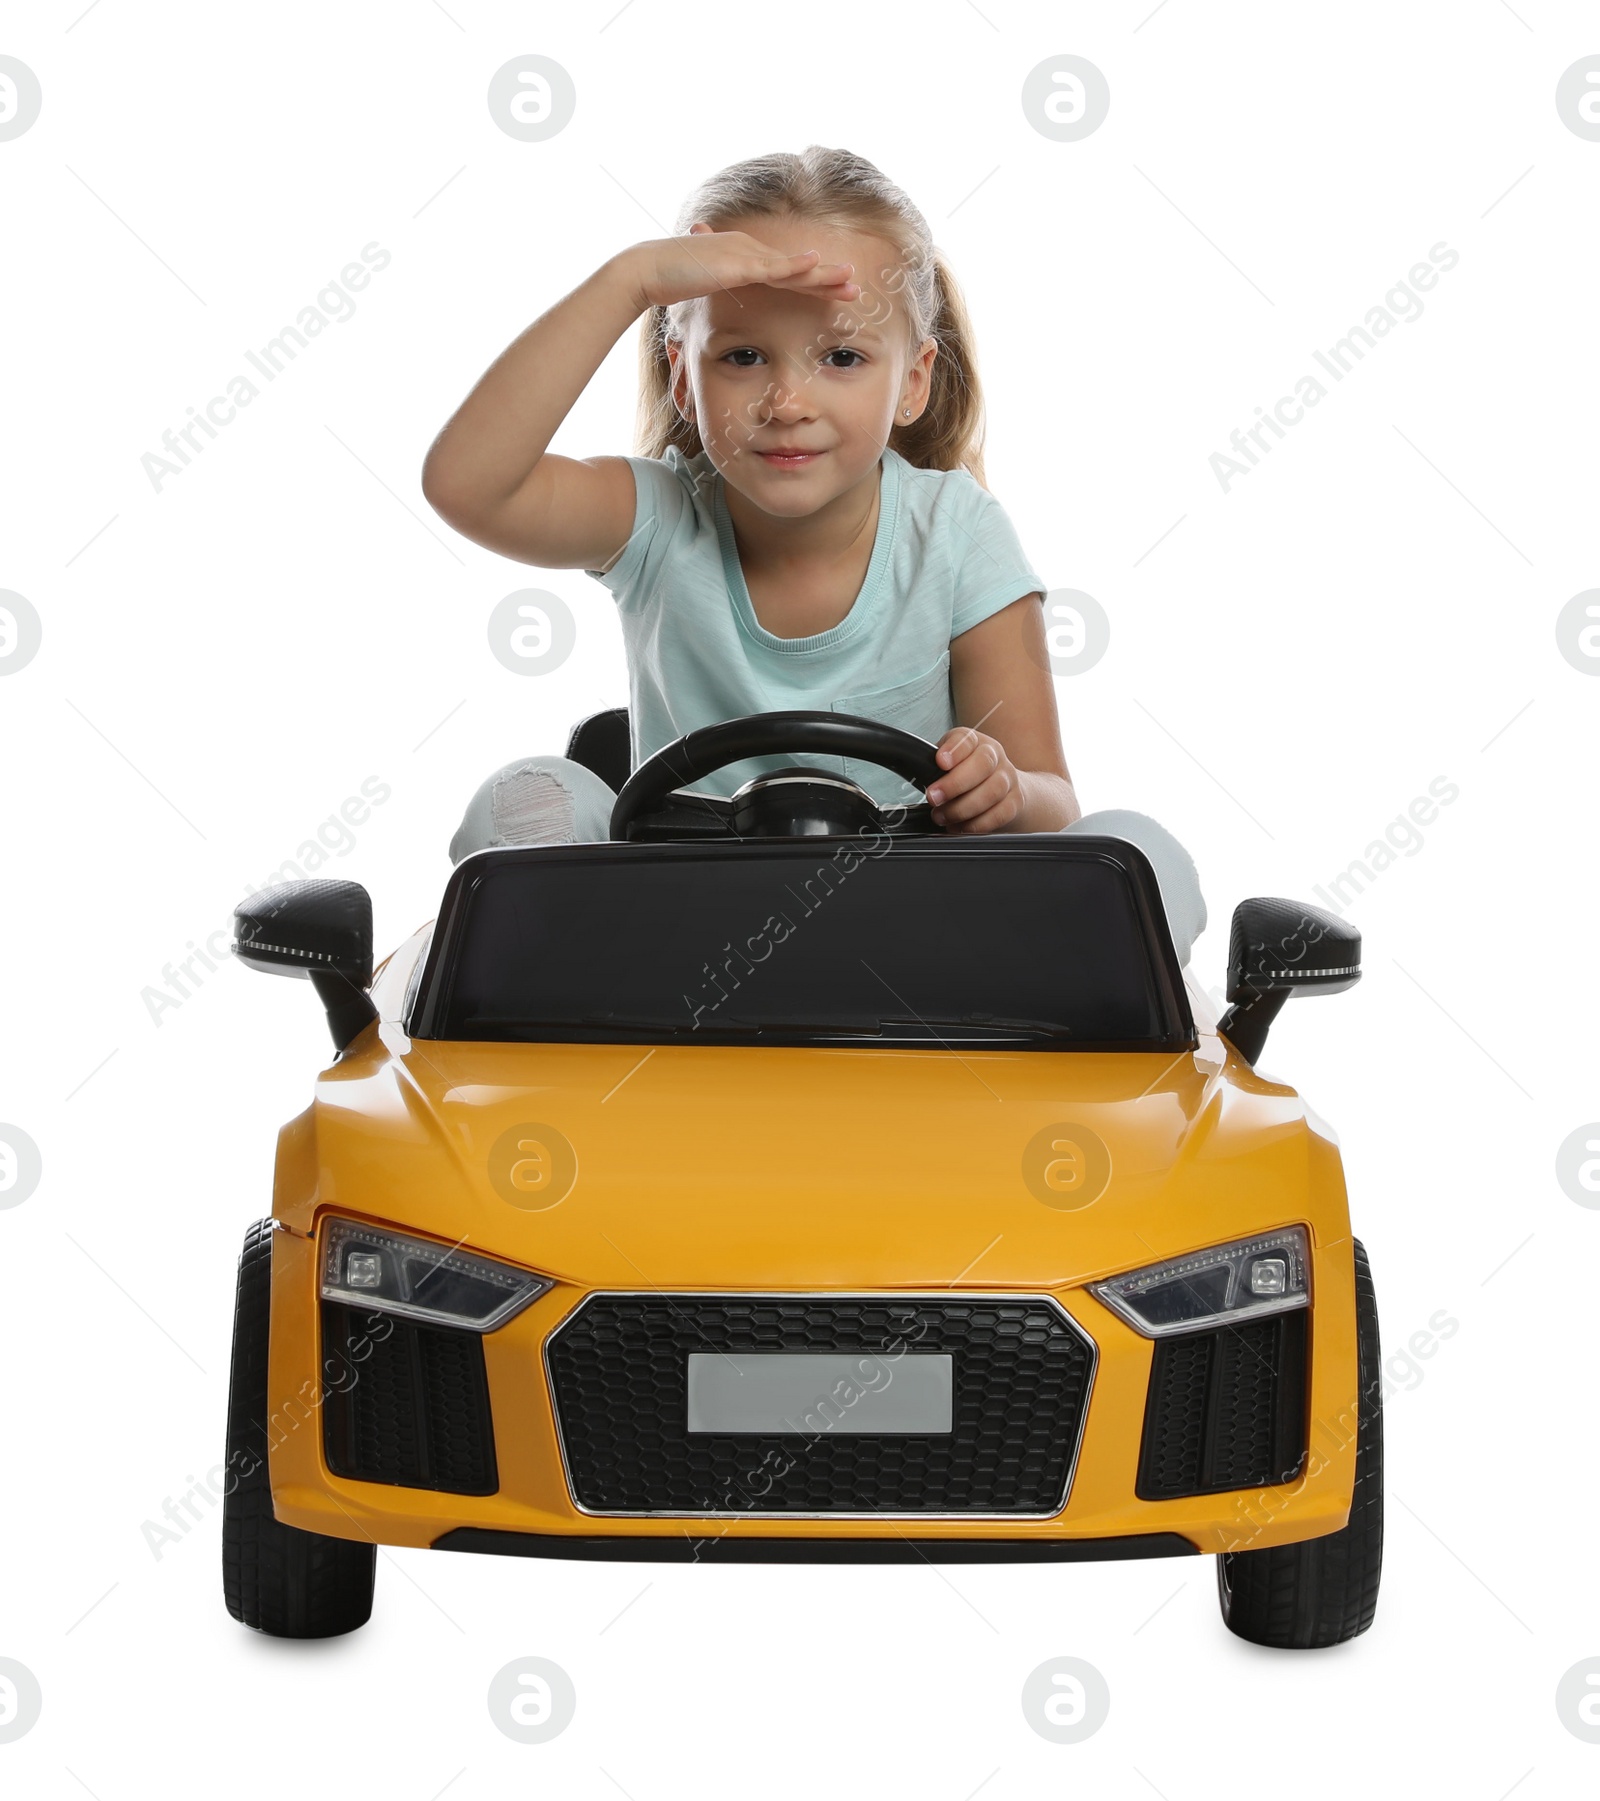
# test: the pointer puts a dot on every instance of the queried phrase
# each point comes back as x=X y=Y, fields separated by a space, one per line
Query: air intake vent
x=406 y=1403
x=1226 y=1409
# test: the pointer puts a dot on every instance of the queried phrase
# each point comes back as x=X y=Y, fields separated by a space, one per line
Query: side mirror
x=320 y=929
x=1278 y=948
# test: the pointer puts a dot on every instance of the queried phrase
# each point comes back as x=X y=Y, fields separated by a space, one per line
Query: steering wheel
x=793 y=802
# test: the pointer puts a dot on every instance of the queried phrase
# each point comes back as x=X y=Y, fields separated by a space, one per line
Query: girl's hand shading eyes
x=982 y=791
x=704 y=261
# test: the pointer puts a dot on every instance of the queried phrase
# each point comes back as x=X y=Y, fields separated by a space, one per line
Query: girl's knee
x=1175 y=870
x=540 y=799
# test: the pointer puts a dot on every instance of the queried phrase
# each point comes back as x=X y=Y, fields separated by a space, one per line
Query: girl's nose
x=788 y=402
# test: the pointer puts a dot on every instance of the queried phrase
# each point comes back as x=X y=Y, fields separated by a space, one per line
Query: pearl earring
x=908 y=412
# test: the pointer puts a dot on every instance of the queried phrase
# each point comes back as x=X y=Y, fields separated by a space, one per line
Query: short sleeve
x=988 y=567
x=662 y=509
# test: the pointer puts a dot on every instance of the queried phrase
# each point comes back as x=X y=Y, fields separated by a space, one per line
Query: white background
x=226 y=660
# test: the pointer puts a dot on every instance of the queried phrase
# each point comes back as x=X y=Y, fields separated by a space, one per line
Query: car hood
x=625 y=1166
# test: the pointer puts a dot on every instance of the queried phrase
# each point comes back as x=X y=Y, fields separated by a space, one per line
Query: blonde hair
x=838 y=189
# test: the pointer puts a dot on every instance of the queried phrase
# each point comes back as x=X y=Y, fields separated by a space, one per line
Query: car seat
x=603 y=743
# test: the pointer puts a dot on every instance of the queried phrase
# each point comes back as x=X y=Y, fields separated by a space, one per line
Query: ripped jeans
x=554 y=800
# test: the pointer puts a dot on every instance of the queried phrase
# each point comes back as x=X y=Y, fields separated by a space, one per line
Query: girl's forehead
x=868 y=250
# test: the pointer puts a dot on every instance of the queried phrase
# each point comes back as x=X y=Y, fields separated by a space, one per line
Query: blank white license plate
x=814 y=1391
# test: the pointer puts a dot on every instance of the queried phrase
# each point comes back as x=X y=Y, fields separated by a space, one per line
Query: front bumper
x=532 y=1509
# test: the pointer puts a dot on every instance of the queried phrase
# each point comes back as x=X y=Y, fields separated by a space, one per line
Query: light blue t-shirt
x=945 y=558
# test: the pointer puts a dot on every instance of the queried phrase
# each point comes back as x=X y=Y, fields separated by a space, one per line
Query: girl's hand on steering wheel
x=982 y=791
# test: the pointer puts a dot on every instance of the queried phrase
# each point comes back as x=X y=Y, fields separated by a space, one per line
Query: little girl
x=808 y=526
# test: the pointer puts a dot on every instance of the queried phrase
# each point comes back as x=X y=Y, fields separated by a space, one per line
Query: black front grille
x=1226 y=1409
x=405 y=1403
x=619 y=1376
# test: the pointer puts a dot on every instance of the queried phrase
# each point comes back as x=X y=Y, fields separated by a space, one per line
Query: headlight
x=1227 y=1283
x=389 y=1272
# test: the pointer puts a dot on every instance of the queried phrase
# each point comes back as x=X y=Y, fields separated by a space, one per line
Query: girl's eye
x=746 y=357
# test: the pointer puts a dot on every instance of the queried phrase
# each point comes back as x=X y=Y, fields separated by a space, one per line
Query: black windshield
x=1028 y=941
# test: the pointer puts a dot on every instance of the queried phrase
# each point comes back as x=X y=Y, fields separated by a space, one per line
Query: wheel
x=276 y=1578
x=779 y=804
x=1322 y=1591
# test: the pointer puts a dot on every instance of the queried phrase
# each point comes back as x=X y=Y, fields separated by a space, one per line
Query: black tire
x=1322 y=1591
x=276 y=1578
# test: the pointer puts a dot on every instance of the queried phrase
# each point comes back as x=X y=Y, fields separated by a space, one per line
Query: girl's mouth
x=783 y=459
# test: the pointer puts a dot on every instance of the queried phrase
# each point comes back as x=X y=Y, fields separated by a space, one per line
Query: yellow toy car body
x=603 y=1291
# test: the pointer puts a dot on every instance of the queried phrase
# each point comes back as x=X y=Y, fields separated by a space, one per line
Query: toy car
x=785 y=1179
